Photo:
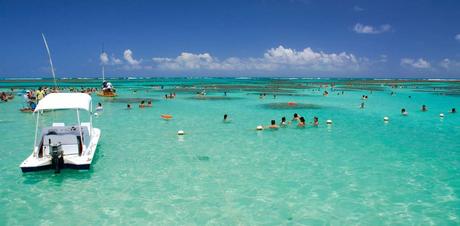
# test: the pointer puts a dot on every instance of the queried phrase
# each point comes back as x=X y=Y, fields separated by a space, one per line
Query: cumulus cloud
x=128 y=56
x=415 y=63
x=368 y=29
x=104 y=58
x=457 y=37
x=274 y=58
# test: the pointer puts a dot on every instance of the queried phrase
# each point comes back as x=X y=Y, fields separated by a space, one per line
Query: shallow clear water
x=360 y=170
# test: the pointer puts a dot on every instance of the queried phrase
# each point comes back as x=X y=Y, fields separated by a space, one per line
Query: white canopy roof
x=54 y=101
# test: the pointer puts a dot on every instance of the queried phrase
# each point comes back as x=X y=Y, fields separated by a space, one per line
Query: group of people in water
x=424 y=108
x=296 y=119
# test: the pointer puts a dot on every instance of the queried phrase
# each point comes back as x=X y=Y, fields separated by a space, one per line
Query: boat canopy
x=55 y=101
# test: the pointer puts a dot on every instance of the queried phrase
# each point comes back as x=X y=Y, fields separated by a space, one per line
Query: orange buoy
x=292 y=103
x=166 y=117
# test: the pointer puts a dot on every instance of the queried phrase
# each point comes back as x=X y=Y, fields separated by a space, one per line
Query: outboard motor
x=57 y=155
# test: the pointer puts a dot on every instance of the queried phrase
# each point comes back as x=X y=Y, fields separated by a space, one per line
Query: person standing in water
x=424 y=108
x=404 y=112
x=315 y=121
x=273 y=125
x=301 y=122
x=142 y=105
x=296 y=117
x=149 y=103
x=283 y=122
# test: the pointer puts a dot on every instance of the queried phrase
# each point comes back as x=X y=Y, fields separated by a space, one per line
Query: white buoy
x=259 y=128
x=180 y=132
x=386 y=119
x=329 y=121
x=441 y=115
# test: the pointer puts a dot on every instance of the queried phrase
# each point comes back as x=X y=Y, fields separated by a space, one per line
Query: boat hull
x=106 y=94
x=49 y=167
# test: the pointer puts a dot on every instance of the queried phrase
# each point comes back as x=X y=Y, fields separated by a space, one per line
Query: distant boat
x=59 y=145
x=107 y=89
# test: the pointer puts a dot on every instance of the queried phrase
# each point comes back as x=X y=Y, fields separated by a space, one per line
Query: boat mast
x=103 y=65
x=51 y=61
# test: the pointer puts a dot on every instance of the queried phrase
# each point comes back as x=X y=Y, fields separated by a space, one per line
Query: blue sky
x=232 y=38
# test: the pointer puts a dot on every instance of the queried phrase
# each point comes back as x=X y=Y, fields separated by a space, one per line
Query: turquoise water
x=359 y=171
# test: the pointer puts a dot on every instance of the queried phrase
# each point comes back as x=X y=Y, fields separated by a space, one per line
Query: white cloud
x=449 y=64
x=128 y=56
x=104 y=58
x=418 y=64
x=273 y=59
x=367 y=29
x=358 y=8
x=115 y=60
x=457 y=37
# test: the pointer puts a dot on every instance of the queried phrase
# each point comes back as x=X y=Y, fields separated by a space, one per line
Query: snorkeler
x=301 y=122
x=273 y=125
x=404 y=112
x=424 y=108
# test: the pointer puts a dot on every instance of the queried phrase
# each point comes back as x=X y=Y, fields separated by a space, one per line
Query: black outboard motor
x=57 y=155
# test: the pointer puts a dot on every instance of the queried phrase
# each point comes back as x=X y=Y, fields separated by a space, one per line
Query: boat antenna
x=51 y=61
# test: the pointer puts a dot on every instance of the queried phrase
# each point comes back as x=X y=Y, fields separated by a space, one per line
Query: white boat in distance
x=59 y=145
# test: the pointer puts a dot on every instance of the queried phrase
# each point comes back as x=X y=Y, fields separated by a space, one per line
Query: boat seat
x=58 y=124
x=69 y=143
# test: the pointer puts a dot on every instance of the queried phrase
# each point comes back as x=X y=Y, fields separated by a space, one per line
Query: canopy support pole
x=36 y=131
x=79 y=127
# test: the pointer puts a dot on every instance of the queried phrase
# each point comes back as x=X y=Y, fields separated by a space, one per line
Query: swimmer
x=283 y=122
x=99 y=107
x=301 y=122
x=226 y=119
x=424 y=108
x=273 y=125
x=453 y=110
x=404 y=112
x=315 y=121
x=296 y=117
x=362 y=105
x=128 y=106
x=149 y=103
x=142 y=105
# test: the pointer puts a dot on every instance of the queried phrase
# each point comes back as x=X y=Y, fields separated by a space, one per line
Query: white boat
x=59 y=145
